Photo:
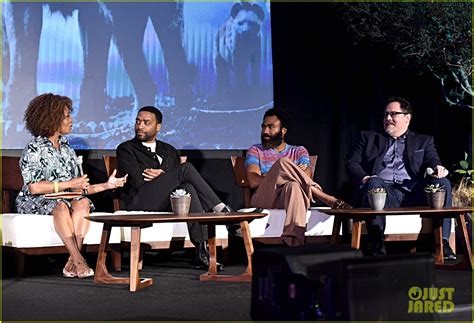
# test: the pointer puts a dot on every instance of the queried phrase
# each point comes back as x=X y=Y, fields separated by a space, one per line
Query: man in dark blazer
x=154 y=172
x=403 y=163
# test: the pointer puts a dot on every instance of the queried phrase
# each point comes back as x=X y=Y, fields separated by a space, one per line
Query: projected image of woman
x=49 y=165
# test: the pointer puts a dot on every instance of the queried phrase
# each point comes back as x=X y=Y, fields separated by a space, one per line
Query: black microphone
x=79 y=167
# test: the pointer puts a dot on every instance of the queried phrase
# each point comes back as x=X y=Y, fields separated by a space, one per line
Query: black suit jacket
x=367 y=157
x=133 y=158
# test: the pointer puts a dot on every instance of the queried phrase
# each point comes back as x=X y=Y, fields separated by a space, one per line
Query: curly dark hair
x=45 y=112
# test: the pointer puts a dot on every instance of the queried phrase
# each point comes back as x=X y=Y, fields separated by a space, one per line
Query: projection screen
x=206 y=66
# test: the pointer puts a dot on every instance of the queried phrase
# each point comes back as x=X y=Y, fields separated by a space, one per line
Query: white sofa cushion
x=320 y=224
x=271 y=226
x=164 y=231
x=33 y=230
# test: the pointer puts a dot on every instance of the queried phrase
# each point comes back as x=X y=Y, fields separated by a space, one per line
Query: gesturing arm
x=45 y=187
x=112 y=183
x=42 y=178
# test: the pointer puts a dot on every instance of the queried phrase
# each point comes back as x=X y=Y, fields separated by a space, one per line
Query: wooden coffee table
x=360 y=214
x=140 y=220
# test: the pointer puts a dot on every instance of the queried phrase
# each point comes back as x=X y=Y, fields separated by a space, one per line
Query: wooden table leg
x=438 y=237
x=212 y=275
x=465 y=242
x=248 y=248
x=135 y=282
x=336 y=228
x=356 y=233
x=103 y=276
x=211 y=228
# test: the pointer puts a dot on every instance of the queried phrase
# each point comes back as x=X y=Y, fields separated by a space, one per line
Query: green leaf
x=464 y=164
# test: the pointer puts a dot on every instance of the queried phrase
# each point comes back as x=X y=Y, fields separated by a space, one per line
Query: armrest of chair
x=12 y=181
x=110 y=163
x=238 y=166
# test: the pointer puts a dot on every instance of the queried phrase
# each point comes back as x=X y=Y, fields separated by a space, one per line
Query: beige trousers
x=287 y=187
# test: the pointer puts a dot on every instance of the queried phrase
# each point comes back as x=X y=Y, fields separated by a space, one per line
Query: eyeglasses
x=393 y=114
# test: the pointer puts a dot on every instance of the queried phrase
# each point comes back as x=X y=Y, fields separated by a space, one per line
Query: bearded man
x=397 y=160
x=280 y=173
x=154 y=171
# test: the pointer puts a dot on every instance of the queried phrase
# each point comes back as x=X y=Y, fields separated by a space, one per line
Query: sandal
x=340 y=204
x=68 y=270
x=85 y=270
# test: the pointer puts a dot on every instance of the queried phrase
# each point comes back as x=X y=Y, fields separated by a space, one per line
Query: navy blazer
x=367 y=157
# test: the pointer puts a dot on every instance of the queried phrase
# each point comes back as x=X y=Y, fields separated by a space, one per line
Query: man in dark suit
x=154 y=172
x=397 y=160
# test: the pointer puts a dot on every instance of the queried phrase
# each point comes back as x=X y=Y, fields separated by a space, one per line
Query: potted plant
x=377 y=197
x=435 y=195
x=462 y=188
x=180 y=201
x=462 y=194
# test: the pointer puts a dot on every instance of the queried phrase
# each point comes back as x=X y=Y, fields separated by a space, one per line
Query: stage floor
x=177 y=294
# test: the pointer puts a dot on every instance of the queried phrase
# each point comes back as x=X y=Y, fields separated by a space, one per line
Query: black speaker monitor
x=336 y=283
x=281 y=289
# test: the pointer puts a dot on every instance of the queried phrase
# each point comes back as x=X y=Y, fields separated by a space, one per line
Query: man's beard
x=145 y=137
x=273 y=141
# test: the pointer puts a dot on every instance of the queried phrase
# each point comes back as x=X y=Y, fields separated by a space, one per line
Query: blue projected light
x=206 y=66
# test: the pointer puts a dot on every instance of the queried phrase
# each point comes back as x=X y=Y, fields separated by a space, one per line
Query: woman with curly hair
x=49 y=165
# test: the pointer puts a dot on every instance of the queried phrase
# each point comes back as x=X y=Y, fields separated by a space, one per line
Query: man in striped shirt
x=282 y=177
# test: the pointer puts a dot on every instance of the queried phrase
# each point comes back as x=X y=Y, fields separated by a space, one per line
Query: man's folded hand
x=150 y=174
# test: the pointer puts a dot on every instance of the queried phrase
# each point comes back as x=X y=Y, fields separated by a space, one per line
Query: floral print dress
x=40 y=161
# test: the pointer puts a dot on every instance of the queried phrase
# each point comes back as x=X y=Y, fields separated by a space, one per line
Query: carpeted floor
x=177 y=294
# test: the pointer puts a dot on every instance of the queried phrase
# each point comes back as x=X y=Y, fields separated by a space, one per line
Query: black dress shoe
x=202 y=257
x=377 y=250
x=448 y=253
x=234 y=230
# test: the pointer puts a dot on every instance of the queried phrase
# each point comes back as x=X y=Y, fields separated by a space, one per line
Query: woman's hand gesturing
x=115 y=182
x=79 y=183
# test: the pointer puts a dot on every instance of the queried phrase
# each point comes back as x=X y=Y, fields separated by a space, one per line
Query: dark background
x=332 y=89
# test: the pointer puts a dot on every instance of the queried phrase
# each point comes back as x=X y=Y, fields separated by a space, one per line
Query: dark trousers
x=155 y=196
x=399 y=197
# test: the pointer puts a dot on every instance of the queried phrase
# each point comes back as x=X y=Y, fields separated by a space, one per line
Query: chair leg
x=140 y=262
x=116 y=256
x=20 y=263
x=225 y=253
x=336 y=228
